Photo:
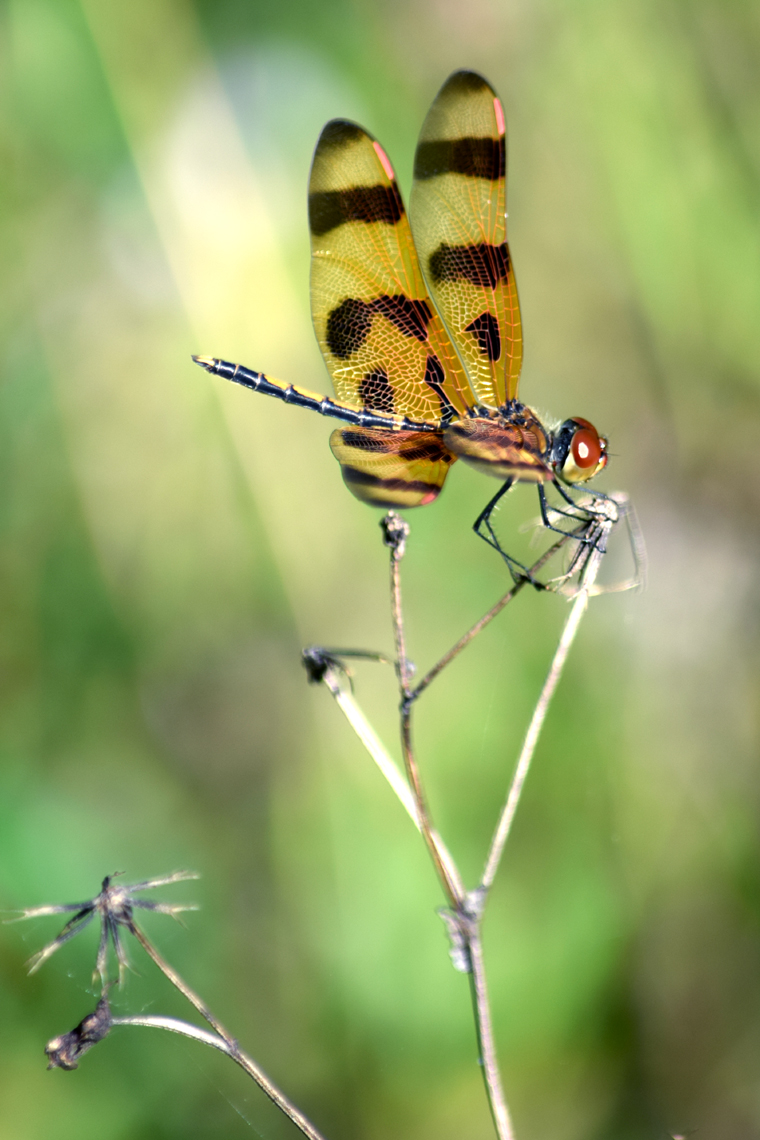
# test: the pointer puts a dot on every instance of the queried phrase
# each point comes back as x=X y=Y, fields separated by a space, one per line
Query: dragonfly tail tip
x=206 y=362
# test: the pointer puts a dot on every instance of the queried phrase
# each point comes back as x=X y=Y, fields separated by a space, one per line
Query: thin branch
x=585 y=589
x=175 y=1025
x=347 y=704
x=488 y=617
x=468 y=917
x=466 y=638
x=180 y=984
x=486 y=1044
x=164 y=881
x=395 y=533
x=73 y=927
x=354 y=715
x=44 y=911
x=451 y=880
x=232 y=1050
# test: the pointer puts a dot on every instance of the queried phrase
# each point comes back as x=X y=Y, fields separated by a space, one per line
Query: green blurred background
x=168 y=543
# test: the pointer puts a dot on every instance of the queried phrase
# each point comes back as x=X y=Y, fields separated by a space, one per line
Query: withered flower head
x=113 y=906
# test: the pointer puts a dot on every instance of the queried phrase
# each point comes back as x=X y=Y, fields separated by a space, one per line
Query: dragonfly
x=418 y=320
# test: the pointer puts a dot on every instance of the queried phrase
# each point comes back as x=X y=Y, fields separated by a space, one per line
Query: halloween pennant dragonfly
x=421 y=334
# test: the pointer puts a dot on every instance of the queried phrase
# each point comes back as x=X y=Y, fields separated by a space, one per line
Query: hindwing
x=392 y=469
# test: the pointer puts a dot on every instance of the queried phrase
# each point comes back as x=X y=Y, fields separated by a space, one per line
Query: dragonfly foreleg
x=516 y=569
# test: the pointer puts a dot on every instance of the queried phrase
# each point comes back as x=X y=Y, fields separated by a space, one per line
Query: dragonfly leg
x=592 y=494
x=581 y=513
x=483 y=529
x=592 y=536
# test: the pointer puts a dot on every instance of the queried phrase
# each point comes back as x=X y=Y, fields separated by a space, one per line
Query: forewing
x=385 y=346
x=458 y=214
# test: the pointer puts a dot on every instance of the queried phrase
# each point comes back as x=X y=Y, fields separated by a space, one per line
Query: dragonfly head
x=578 y=452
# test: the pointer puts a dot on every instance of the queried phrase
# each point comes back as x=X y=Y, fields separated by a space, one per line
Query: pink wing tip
x=385 y=161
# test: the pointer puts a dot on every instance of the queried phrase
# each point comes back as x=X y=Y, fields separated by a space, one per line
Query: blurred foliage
x=167 y=545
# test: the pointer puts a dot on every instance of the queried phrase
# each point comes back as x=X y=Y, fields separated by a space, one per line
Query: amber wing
x=384 y=344
x=392 y=469
x=458 y=215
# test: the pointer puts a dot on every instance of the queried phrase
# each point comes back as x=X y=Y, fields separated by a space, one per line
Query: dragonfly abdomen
x=302 y=398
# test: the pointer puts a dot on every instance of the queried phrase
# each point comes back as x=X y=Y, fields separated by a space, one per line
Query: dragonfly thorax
x=509 y=443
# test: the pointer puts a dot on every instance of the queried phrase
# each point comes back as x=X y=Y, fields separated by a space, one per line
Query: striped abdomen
x=302 y=398
x=387 y=461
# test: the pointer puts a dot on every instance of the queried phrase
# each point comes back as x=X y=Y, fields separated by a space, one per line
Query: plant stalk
x=484 y=1028
x=232 y=1050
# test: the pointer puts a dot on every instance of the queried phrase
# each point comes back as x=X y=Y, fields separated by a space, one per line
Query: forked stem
x=396 y=532
x=464 y=920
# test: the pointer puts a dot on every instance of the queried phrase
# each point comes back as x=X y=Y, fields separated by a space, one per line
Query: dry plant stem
x=447 y=872
x=487 y=618
x=398 y=621
x=175 y=1025
x=225 y=1041
x=471 y=924
x=471 y=928
x=232 y=1050
x=465 y=640
x=486 y=1045
x=567 y=637
x=467 y=909
x=451 y=881
x=347 y=704
x=180 y=984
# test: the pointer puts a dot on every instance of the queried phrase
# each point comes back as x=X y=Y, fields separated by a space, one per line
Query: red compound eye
x=586 y=447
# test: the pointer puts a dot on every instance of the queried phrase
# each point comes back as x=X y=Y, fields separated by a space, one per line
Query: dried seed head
x=114 y=906
x=65 y=1051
